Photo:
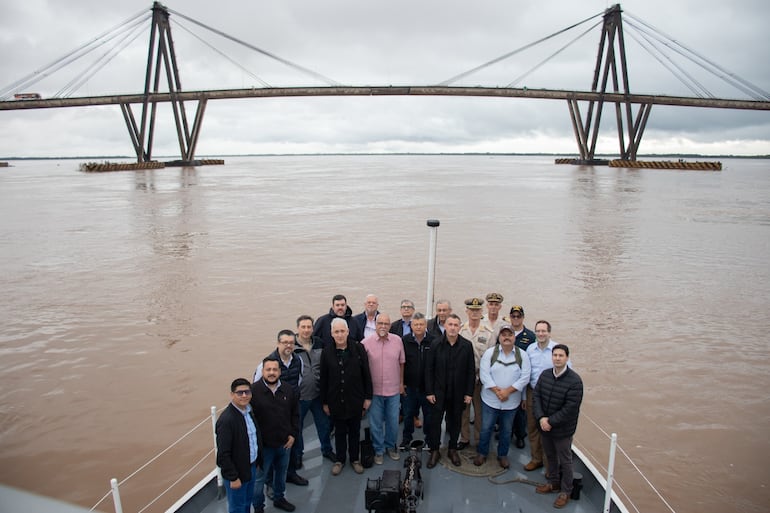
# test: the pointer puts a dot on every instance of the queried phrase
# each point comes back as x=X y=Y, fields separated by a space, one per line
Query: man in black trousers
x=450 y=376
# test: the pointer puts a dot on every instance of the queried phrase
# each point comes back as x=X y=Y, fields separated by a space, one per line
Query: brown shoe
x=435 y=455
x=479 y=460
x=503 y=460
x=454 y=457
x=561 y=501
x=533 y=465
x=548 y=488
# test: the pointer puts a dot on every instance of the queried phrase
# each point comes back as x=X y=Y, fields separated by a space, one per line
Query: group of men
x=343 y=367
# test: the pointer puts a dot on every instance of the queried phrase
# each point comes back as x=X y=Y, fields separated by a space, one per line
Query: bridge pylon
x=611 y=56
x=161 y=59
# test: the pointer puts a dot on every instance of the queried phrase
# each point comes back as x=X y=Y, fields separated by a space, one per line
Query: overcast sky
x=415 y=42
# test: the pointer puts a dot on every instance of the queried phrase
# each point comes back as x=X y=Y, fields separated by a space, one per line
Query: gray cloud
x=384 y=43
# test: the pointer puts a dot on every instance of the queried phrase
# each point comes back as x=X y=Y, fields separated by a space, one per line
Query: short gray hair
x=339 y=320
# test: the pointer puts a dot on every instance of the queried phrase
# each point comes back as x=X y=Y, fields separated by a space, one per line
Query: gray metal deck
x=445 y=491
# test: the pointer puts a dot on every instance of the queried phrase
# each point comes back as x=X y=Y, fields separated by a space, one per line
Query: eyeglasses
x=408 y=307
x=287 y=343
x=242 y=392
x=516 y=316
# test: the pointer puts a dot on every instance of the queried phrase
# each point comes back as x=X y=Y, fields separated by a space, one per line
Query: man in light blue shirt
x=504 y=372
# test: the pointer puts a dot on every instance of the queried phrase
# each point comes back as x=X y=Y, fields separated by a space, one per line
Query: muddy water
x=130 y=300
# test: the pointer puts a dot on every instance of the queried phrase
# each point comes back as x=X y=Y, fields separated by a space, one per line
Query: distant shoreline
x=488 y=154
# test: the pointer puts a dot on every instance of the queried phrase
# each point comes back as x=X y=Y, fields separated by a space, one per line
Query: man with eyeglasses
x=239 y=447
x=403 y=326
x=524 y=338
x=292 y=368
x=436 y=325
x=276 y=407
x=386 y=364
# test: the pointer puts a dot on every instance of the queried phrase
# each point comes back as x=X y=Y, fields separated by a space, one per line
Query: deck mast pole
x=116 y=495
x=433 y=225
x=610 y=473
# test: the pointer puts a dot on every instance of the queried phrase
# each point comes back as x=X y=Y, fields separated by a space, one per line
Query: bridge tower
x=612 y=54
x=162 y=59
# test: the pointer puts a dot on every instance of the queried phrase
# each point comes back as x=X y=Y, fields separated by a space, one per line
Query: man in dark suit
x=450 y=375
x=366 y=321
x=436 y=325
x=238 y=447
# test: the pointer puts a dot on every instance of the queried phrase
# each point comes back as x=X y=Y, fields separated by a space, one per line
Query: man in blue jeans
x=238 y=447
x=276 y=407
x=504 y=372
x=309 y=349
x=386 y=364
x=416 y=351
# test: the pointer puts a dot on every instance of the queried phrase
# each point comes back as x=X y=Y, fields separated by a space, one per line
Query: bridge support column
x=162 y=59
x=612 y=54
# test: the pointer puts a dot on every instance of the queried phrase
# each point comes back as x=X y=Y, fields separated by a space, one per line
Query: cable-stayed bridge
x=610 y=87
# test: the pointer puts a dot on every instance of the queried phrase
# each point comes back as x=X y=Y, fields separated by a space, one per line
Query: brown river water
x=130 y=300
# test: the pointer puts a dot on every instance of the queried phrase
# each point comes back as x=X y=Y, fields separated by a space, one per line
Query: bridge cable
x=303 y=69
x=724 y=74
x=73 y=85
x=679 y=73
x=697 y=61
x=221 y=53
x=43 y=72
x=557 y=52
x=514 y=52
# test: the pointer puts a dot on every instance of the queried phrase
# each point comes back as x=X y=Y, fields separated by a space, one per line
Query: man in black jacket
x=450 y=375
x=323 y=325
x=416 y=349
x=238 y=447
x=558 y=395
x=276 y=407
x=346 y=393
x=524 y=338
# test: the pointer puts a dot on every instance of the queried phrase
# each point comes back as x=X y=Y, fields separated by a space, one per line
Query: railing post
x=610 y=473
x=433 y=225
x=220 y=482
x=116 y=495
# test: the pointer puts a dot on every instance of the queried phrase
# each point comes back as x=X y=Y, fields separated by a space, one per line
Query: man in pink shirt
x=386 y=364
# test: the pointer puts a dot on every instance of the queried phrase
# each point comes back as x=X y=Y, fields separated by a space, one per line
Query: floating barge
x=646 y=164
x=668 y=164
x=103 y=167
x=3 y=164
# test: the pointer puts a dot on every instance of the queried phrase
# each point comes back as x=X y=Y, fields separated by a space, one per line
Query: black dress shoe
x=519 y=443
x=296 y=479
x=454 y=457
x=283 y=504
x=330 y=456
x=435 y=455
x=461 y=445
